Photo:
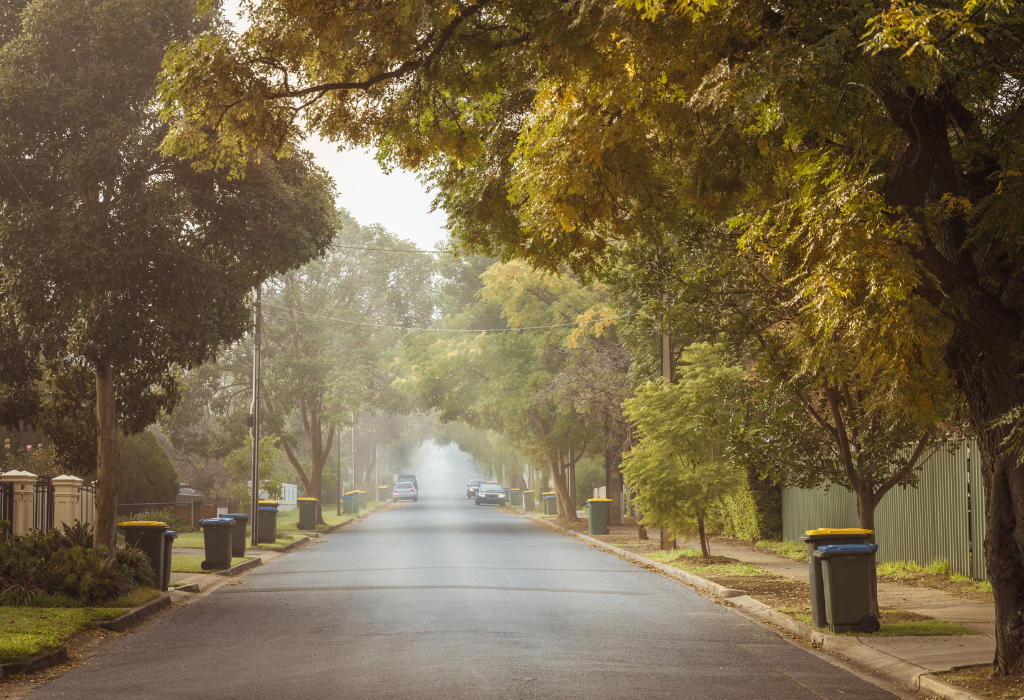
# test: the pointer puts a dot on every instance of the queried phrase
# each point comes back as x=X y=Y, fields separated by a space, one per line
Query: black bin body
x=846 y=573
x=149 y=537
x=169 y=537
x=217 y=542
x=239 y=535
x=820 y=538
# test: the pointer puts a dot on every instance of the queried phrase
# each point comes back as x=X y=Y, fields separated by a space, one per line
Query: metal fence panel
x=922 y=524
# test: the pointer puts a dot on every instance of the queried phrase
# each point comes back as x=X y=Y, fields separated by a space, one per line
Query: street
x=441 y=598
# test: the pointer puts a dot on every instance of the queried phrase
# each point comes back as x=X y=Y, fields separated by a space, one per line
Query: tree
x=558 y=132
x=119 y=264
x=679 y=466
x=147 y=475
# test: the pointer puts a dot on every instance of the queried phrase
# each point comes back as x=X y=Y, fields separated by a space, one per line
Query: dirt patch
x=775 y=591
x=979 y=680
x=961 y=589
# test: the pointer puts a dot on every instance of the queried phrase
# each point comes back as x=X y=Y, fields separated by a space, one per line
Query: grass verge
x=192 y=565
x=26 y=631
x=979 y=680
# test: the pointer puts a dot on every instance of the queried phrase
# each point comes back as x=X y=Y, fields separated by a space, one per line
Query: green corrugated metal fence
x=922 y=524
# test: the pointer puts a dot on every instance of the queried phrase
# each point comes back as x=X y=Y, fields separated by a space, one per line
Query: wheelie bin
x=598 y=515
x=516 y=497
x=307 y=513
x=819 y=538
x=148 y=535
x=349 y=502
x=217 y=542
x=239 y=535
x=550 y=503
x=508 y=494
x=361 y=500
x=266 y=525
x=528 y=500
x=169 y=537
x=382 y=493
x=846 y=572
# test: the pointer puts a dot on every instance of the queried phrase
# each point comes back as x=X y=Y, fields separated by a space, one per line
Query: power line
x=444 y=330
x=395 y=250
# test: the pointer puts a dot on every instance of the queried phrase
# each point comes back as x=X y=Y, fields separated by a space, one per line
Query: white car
x=404 y=491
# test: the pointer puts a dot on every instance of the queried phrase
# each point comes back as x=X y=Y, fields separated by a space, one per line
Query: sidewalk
x=936 y=653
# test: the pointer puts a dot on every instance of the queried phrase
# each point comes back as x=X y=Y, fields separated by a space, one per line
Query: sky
x=397 y=201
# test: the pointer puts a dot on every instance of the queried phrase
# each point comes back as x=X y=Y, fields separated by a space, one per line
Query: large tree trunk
x=979 y=352
x=566 y=511
x=108 y=471
x=866 y=520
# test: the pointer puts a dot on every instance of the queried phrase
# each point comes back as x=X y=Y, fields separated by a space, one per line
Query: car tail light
x=412 y=490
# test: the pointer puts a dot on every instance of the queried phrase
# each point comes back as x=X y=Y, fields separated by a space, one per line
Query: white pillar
x=67 y=497
x=24 y=499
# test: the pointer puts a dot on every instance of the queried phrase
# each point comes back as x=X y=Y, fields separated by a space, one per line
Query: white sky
x=396 y=201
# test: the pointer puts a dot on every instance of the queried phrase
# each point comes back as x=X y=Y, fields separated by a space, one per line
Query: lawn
x=192 y=565
x=27 y=631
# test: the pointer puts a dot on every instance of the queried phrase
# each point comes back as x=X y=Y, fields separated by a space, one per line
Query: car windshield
x=403 y=485
x=491 y=488
x=474 y=482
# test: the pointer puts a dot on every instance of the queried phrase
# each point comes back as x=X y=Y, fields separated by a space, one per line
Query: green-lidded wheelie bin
x=361 y=500
x=550 y=503
x=266 y=524
x=382 y=493
x=147 y=535
x=169 y=537
x=217 y=542
x=349 y=502
x=307 y=513
x=528 y=500
x=516 y=497
x=846 y=573
x=819 y=538
x=239 y=535
x=598 y=515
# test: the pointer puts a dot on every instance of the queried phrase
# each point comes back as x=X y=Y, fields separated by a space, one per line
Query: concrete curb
x=187 y=588
x=236 y=569
x=916 y=678
x=34 y=663
x=292 y=545
x=120 y=624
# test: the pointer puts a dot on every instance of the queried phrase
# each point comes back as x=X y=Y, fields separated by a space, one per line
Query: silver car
x=404 y=491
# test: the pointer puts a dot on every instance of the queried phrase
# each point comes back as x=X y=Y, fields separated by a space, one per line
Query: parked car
x=472 y=486
x=405 y=491
x=411 y=478
x=490 y=493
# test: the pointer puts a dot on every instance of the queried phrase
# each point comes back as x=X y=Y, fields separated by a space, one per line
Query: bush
x=55 y=569
x=147 y=475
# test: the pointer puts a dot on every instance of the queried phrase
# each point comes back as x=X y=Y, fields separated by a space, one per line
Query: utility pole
x=254 y=420
x=668 y=539
x=339 y=468
x=572 y=481
x=353 y=450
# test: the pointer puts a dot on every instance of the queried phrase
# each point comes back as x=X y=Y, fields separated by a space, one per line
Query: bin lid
x=307 y=499
x=170 y=534
x=349 y=493
x=547 y=493
x=599 y=500
x=830 y=549
x=269 y=503
x=236 y=516
x=348 y=496
x=217 y=521
x=515 y=490
x=840 y=531
x=267 y=509
x=142 y=523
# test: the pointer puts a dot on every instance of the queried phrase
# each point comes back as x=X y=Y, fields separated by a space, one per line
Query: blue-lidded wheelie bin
x=550 y=504
x=239 y=535
x=169 y=537
x=266 y=525
x=819 y=538
x=217 y=542
x=846 y=574
x=350 y=502
x=516 y=497
x=528 y=500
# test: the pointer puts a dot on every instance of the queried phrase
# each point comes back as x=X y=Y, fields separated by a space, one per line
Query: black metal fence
x=42 y=511
x=7 y=508
x=87 y=504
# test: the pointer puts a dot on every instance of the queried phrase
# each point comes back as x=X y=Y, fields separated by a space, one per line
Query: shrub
x=174 y=522
x=56 y=569
x=147 y=475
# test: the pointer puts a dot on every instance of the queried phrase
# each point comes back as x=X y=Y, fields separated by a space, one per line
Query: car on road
x=472 y=486
x=405 y=491
x=490 y=493
x=411 y=478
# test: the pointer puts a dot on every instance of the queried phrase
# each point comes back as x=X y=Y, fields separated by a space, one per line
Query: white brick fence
x=31 y=502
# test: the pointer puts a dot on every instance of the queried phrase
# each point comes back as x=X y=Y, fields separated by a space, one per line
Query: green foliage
x=674 y=469
x=754 y=511
x=178 y=523
x=238 y=465
x=55 y=569
x=147 y=475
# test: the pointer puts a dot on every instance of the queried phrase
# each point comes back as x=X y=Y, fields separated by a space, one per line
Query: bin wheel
x=870 y=624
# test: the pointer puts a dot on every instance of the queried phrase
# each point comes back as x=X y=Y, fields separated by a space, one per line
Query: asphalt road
x=443 y=599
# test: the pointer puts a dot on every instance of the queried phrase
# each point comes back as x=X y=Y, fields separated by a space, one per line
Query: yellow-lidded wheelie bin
x=846 y=574
x=307 y=513
x=382 y=493
x=598 y=515
x=819 y=538
x=350 y=503
x=147 y=535
x=361 y=500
